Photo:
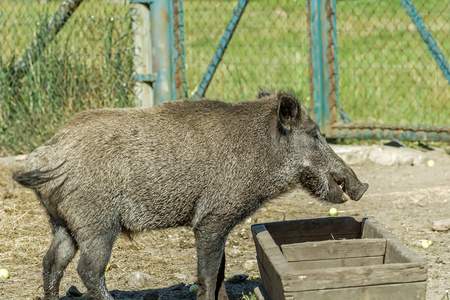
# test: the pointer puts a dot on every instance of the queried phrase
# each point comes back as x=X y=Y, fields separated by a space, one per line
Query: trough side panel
x=315 y=227
x=334 y=249
x=402 y=291
x=355 y=276
x=396 y=252
x=274 y=290
x=336 y=263
x=327 y=237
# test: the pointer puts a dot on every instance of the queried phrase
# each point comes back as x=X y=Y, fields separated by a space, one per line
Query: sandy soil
x=405 y=199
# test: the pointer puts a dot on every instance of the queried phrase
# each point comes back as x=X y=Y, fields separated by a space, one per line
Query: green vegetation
x=88 y=65
x=269 y=49
x=250 y=296
x=386 y=73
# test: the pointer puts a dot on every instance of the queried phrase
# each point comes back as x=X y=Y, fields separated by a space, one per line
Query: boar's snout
x=359 y=191
x=347 y=187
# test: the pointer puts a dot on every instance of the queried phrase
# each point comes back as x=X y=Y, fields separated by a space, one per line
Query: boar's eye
x=315 y=135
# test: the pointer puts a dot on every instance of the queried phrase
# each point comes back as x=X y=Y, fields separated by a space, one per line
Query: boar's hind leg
x=211 y=264
x=61 y=252
x=95 y=251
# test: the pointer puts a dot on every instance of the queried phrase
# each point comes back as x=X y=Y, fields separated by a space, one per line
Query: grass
x=250 y=296
x=88 y=65
x=268 y=49
x=386 y=73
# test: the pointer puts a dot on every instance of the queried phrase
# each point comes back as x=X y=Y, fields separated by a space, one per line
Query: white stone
x=441 y=225
x=234 y=252
x=250 y=264
x=139 y=279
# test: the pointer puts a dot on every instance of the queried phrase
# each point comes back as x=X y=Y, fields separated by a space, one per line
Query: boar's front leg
x=211 y=262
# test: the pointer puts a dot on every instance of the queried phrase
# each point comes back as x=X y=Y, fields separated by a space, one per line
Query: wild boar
x=206 y=164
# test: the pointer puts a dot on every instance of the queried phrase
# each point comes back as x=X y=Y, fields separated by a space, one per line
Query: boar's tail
x=35 y=178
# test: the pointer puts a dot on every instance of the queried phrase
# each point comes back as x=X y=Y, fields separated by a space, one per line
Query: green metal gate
x=394 y=80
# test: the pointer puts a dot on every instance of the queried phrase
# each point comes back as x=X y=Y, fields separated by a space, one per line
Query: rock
x=21 y=157
x=382 y=155
x=177 y=287
x=234 y=252
x=352 y=155
x=401 y=203
x=439 y=260
x=139 y=279
x=441 y=225
x=396 y=156
x=250 y=264
x=244 y=234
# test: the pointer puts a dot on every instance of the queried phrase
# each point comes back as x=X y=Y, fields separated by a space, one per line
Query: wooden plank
x=336 y=263
x=315 y=227
x=274 y=264
x=354 y=276
x=270 y=254
x=396 y=252
x=402 y=291
x=143 y=61
x=274 y=290
x=334 y=249
x=301 y=239
x=371 y=229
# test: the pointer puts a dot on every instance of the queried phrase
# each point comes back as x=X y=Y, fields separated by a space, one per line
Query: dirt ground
x=403 y=198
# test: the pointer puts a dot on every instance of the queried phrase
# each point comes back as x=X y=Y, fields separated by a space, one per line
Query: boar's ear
x=288 y=113
x=263 y=93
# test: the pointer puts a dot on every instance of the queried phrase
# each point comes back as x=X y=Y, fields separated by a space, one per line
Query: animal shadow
x=235 y=290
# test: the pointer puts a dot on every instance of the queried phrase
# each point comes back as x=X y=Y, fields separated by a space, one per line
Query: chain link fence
x=89 y=63
x=269 y=48
x=386 y=73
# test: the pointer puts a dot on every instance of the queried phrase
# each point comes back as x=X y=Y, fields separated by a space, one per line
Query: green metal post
x=323 y=62
x=167 y=77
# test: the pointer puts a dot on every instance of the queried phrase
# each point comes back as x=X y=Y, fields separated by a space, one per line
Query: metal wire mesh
x=269 y=48
x=387 y=75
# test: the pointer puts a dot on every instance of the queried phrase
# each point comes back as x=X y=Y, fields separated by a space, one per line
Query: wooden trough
x=336 y=258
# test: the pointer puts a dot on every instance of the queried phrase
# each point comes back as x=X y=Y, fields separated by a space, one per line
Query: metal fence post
x=323 y=61
x=159 y=60
x=162 y=41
